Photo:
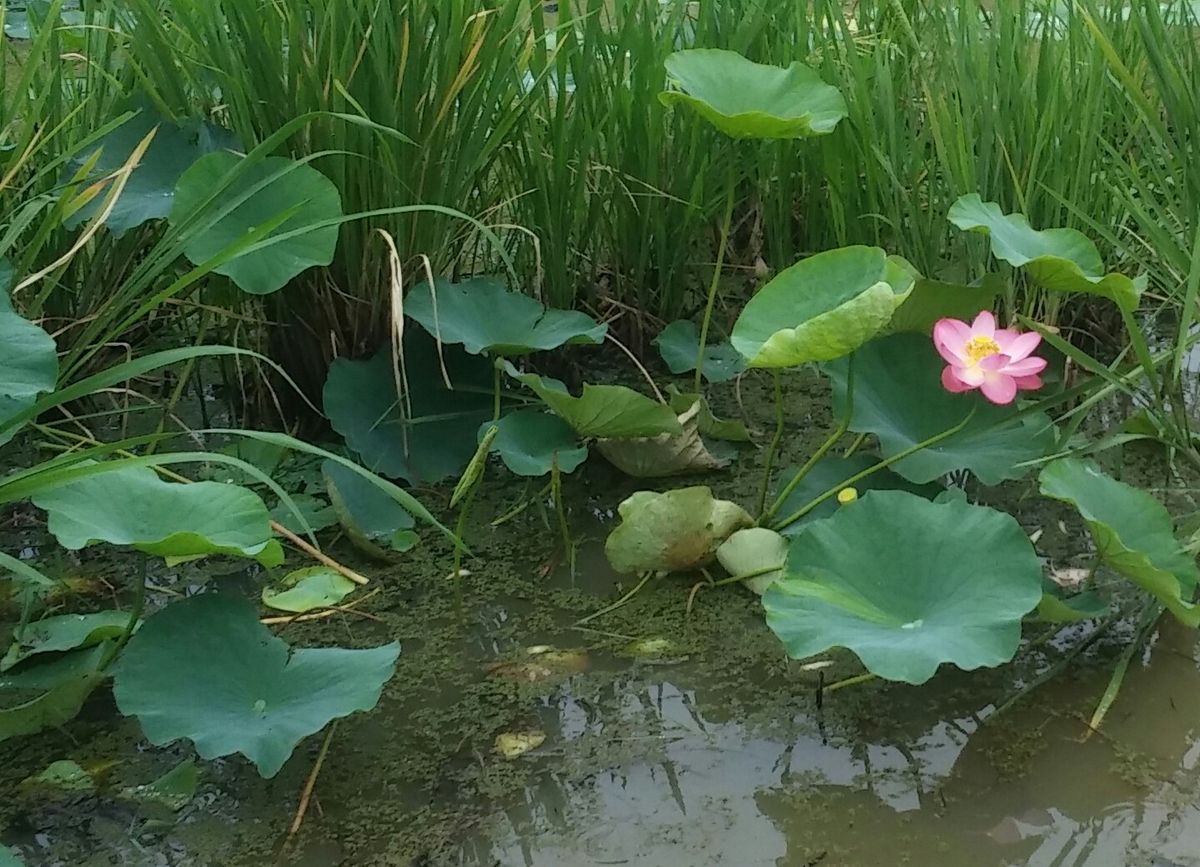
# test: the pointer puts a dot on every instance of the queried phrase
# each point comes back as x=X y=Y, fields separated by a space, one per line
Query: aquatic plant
x=997 y=361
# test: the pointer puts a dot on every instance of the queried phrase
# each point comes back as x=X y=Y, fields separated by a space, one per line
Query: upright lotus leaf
x=822 y=308
x=753 y=550
x=150 y=191
x=64 y=632
x=56 y=697
x=276 y=192
x=205 y=669
x=679 y=345
x=602 y=411
x=834 y=472
x=427 y=437
x=373 y=521
x=1059 y=606
x=899 y=397
x=531 y=442
x=744 y=99
x=672 y=532
x=710 y=425
x=484 y=316
x=1132 y=530
x=907 y=585
x=306 y=589
x=167 y=519
x=666 y=454
x=28 y=358
x=931 y=300
x=1061 y=260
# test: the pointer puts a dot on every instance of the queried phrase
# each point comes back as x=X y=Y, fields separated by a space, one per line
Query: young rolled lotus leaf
x=304 y=590
x=28 y=358
x=205 y=669
x=744 y=99
x=64 y=632
x=373 y=521
x=530 y=442
x=673 y=531
x=751 y=551
x=679 y=346
x=1132 y=530
x=602 y=411
x=907 y=585
x=60 y=688
x=898 y=396
x=167 y=519
x=666 y=454
x=1061 y=260
x=833 y=472
x=276 y=192
x=1059 y=606
x=429 y=436
x=485 y=317
x=821 y=308
x=931 y=300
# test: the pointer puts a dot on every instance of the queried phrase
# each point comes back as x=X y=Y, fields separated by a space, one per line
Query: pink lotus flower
x=997 y=361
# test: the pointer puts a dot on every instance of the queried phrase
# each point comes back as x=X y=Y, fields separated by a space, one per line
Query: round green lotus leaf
x=679 y=345
x=673 y=531
x=530 y=442
x=907 y=585
x=899 y=397
x=275 y=191
x=62 y=633
x=1133 y=532
x=822 y=308
x=1061 y=260
x=484 y=316
x=744 y=99
x=753 y=550
x=931 y=300
x=306 y=589
x=28 y=358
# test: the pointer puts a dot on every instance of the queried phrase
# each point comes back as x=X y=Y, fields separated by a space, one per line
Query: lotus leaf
x=9 y=858
x=672 y=532
x=666 y=454
x=372 y=520
x=679 y=345
x=752 y=550
x=63 y=776
x=28 y=359
x=484 y=316
x=898 y=396
x=931 y=300
x=602 y=411
x=822 y=308
x=307 y=589
x=150 y=190
x=710 y=425
x=172 y=790
x=61 y=700
x=531 y=442
x=744 y=99
x=1061 y=260
x=167 y=519
x=317 y=514
x=1057 y=606
x=276 y=192
x=434 y=437
x=64 y=632
x=907 y=585
x=1132 y=530
x=205 y=669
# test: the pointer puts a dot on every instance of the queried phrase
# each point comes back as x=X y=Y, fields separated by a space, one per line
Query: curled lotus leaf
x=673 y=531
x=666 y=454
x=751 y=551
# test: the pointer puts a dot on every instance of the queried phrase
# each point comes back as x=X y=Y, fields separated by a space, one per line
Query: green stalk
x=496 y=390
x=738 y=579
x=775 y=441
x=564 y=528
x=1146 y=623
x=884 y=464
x=139 y=607
x=726 y=226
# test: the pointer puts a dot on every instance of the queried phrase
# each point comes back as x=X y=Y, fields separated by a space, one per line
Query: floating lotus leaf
x=1061 y=260
x=898 y=396
x=672 y=532
x=744 y=99
x=931 y=300
x=907 y=585
x=373 y=521
x=679 y=344
x=833 y=472
x=307 y=589
x=484 y=316
x=173 y=790
x=150 y=190
x=28 y=359
x=821 y=308
x=530 y=442
x=436 y=440
x=752 y=550
x=205 y=669
x=167 y=519
x=64 y=632
x=1132 y=530
x=289 y=201
x=666 y=454
x=602 y=411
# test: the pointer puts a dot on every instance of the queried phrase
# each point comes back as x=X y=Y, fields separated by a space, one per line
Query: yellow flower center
x=979 y=347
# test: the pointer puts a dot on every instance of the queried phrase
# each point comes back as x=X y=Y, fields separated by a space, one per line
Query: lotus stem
x=521 y=506
x=726 y=226
x=563 y=526
x=737 y=579
x=496 y=390
x=825 y=448
x=855 y=446
x=139 y=607
x=610 y=608
x=884 y=464
x=775 y=441
x=865 y=677
x=1149 y=618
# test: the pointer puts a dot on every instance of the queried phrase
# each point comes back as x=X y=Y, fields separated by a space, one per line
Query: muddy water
x=712 y=750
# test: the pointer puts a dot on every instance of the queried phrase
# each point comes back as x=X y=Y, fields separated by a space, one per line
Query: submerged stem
x=775 y=441
x=726 y=226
